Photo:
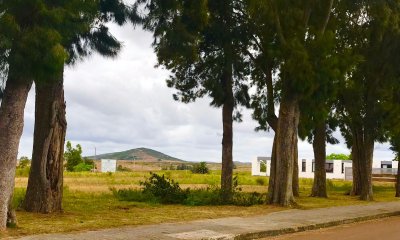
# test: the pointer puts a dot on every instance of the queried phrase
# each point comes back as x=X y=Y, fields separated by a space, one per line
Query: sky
x=124 y=103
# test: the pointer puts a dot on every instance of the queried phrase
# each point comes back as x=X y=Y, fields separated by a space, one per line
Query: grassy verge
x=89 y=203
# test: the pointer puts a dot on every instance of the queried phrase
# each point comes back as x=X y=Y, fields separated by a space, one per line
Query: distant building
x=108 y=165
x=335 y=169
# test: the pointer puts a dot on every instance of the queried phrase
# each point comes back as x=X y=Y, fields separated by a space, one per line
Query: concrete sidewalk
x=240 y=228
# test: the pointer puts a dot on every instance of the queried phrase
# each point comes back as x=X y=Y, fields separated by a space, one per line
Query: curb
x=271 y=233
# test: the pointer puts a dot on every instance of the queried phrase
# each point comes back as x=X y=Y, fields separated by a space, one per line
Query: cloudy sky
x=124 y=103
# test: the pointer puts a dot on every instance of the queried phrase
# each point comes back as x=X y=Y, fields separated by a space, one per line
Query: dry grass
x=89 y=204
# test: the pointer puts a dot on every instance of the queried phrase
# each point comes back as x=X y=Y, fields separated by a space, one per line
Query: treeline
x=314 y=66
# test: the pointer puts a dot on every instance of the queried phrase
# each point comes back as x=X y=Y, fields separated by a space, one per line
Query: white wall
x=337 y=167
x=108 y=165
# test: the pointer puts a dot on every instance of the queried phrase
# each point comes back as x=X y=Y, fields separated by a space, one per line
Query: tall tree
x=83 y=30
x=373 y=33
x=299 y=29
x=200 y=42
x=32 y=51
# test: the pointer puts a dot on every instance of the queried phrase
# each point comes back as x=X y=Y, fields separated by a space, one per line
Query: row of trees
x=314 y=66
x=324 y=64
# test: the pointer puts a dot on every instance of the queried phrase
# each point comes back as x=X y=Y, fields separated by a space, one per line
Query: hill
x=140 y=154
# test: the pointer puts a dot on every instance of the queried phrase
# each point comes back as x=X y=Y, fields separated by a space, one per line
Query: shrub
x=121 y=168
x=73 y=156
x=83 y=167
x=200 y=168
x=159 y=189
x=183 y=167
x=164 y=189
x=260 y=181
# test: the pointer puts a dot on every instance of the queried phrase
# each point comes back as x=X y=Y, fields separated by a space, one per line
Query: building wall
x=339 y=170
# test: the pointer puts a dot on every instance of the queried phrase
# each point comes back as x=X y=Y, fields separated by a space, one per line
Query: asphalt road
x=381 y=229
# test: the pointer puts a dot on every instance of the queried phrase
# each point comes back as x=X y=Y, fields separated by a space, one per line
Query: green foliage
x=184 y=167
x=24 y=162
x=200 y=168
x=260 y=181
x=263 y=167
x=73 y=156
x=164 y=189
x=159 y=189
x=338 y=156
x=83 y=167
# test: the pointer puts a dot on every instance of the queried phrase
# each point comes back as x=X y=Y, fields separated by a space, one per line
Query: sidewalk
x=237 y=227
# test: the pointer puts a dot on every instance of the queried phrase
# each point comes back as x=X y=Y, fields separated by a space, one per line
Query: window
x=313 y=167
x=342 y=167
x=303 y=165
x=329 y=167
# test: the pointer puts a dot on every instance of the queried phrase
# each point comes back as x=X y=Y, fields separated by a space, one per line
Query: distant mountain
x=142 y=154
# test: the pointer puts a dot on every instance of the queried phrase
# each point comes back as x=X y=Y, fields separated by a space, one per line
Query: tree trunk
x=45 y=184
x=366 y=171
x=11 y=127
x=286 y=140
x=227 y=145
x=356 y=187
x=319 y=146
x=398 y=178
x=295 y=182
x=362 y=152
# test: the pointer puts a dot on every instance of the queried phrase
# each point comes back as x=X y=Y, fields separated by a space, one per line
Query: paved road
x=385 y=228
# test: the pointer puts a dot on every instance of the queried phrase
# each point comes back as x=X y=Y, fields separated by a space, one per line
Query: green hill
x=142 y=154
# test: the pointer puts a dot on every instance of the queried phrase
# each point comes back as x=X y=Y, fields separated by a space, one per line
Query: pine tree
x=201 y=43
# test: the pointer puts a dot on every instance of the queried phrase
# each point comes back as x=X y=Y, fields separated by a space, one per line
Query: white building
x=335 y=169
x=108 y=165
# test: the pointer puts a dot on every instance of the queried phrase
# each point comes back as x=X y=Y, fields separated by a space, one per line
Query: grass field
x=89 y=203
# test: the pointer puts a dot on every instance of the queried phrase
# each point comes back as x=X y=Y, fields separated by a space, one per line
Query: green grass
x=89 y=204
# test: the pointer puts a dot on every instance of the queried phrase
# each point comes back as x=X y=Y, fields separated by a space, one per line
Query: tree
x=83 y=30
x=73 y=156
x=302 y=33
x=30 y=51
x=372 y=35
x=200 y=42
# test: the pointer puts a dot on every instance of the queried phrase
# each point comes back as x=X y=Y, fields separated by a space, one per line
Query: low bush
x=159 y=189
x=260 y=181
x=200 y=168
x=83 y=167
x=121 y=168
x=164 y=189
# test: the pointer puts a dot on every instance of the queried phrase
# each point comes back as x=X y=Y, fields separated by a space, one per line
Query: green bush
x=200 y=168
x=120 y=168
x=159 y=189
x=73 y=156
x=260 y=181
x=164 y=189
x=83 y=167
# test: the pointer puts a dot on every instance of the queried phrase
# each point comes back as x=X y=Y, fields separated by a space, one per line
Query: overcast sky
x=124 y=103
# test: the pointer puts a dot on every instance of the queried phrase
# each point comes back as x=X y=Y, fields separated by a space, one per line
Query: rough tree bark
x=319 y=146
x=363 y=147
x=11 y=127
x=227 y=145
x=45 y=184
x=356 y=187
x=398 y=181
x=272 y=120
x=295 y=181
x=281 y=189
